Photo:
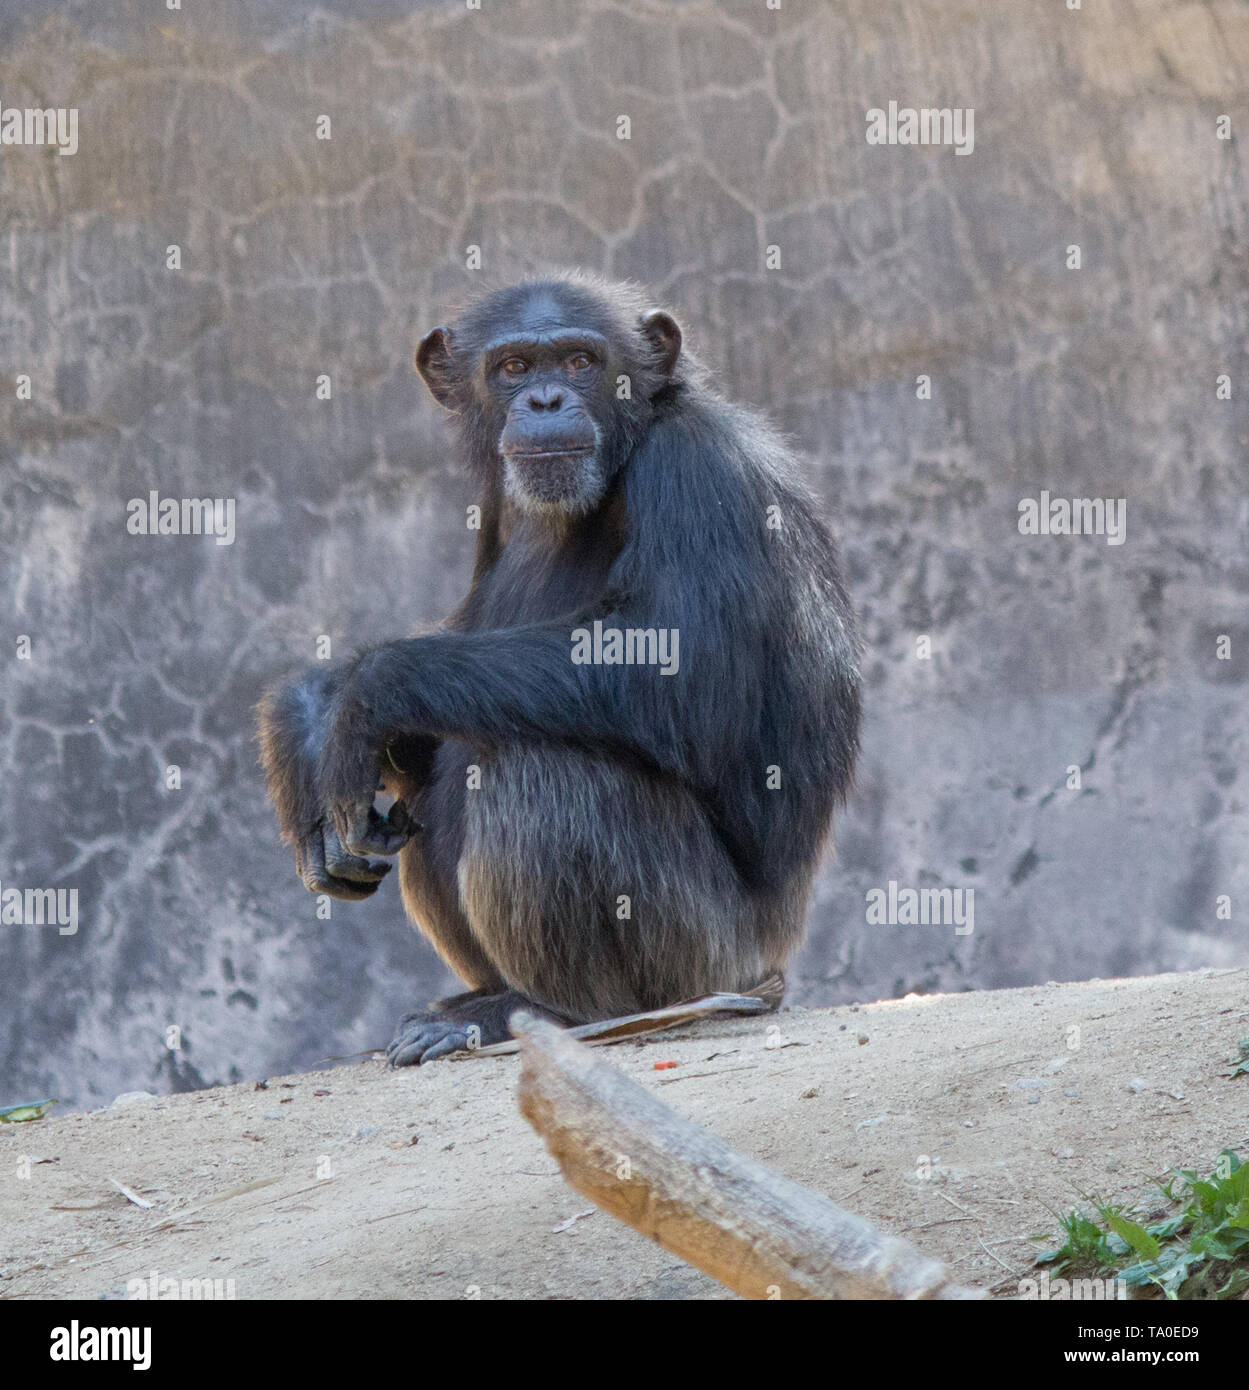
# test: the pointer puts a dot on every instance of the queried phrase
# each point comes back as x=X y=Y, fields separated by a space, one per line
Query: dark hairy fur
x=597 y=782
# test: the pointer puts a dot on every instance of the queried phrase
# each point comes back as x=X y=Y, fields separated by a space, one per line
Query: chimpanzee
x=616 y=763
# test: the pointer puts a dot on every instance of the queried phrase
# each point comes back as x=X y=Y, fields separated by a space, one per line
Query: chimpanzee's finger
x=340 y=864
x=310 y=860
x=368 y=833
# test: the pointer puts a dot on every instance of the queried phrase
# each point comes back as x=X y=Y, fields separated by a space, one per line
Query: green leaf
x=1206 y=1193
x=1237 y=1283
x=32 y=1110
x=1136 y=1236
x=1222 y=1243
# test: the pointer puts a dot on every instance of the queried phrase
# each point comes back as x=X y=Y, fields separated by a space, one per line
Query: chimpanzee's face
x=533 y=373
x=545 y=381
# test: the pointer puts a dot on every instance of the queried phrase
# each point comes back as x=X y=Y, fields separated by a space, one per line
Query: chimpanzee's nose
x=546 y=398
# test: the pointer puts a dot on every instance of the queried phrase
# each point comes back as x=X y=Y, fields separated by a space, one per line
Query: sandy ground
x=362 y=1183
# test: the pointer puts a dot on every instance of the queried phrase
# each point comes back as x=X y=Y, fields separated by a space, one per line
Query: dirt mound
x=958 y=1121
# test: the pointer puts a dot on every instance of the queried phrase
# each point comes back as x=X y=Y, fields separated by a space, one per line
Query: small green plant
x=1199 y=1251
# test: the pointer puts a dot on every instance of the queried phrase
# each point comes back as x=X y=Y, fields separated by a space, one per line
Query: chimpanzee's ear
x=436 y=365
x=665 y=337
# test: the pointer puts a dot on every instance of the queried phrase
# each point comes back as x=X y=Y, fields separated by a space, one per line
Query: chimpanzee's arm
x=292 y=722
x=490 y=688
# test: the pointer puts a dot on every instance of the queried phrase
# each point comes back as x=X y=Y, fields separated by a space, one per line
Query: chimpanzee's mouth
x=566 y=480
x=580 y=452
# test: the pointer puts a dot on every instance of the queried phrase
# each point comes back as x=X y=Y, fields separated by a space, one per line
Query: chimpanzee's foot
x=422 y=1037
x=459 y=1024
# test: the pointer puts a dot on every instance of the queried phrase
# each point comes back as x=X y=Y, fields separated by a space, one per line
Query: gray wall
x=498 y=128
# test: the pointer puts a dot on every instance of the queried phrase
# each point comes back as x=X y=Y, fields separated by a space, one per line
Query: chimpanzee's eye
x=516 y=366
x=579 y=361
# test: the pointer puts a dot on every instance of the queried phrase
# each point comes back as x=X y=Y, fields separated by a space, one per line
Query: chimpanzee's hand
x=364 y=830
x=349 y=781
x=326 y=867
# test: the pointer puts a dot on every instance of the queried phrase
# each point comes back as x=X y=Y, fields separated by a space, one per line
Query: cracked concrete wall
x=498 y=128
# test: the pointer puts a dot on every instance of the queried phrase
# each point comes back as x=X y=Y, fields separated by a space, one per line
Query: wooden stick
x=764 y=998
x=753 y=1230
